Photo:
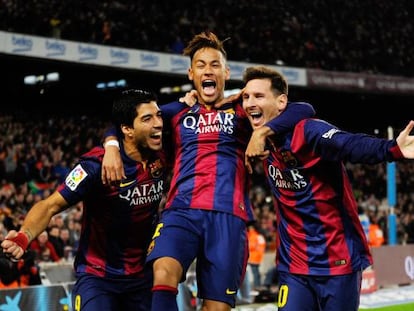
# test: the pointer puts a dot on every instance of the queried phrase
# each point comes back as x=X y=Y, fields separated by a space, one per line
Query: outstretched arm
x=405 y=141
x=35 y=222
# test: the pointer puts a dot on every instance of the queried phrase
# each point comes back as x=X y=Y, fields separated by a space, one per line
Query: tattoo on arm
x=29 y=234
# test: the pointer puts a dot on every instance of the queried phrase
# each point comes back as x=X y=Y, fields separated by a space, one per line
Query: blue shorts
x=216 y=240
x=92 y=293
x=327 y=293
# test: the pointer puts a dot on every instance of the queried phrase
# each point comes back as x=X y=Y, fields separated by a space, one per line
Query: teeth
x=255 y=114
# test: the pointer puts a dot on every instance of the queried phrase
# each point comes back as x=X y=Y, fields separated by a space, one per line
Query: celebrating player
x=321 y=245
x=118 y=221
x=208 y=204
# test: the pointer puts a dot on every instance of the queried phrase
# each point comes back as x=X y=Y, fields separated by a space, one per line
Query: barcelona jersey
x=209 y=171
x=319 y=232
x=118 y=221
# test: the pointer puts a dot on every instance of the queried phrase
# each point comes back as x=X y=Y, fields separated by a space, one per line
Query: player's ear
x=126 y=130
x=227 y=73
x=282 y=101
x=190 y=74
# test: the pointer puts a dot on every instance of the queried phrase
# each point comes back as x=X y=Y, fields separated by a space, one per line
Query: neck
x=135 y=154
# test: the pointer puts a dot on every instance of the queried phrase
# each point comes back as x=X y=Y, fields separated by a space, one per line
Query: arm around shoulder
x=286 y=121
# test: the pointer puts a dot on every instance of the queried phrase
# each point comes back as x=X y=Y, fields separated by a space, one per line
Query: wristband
x=21 y=240
x=112 y=142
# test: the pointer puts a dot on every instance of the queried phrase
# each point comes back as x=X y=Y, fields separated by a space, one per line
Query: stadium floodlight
x=33 y=80
x=186 y=87
x=100 y=85
x=166 y=90
x=111 y=84
x=176 y=89
x=121 y=83
x=41 y=79
x=227 y=93
x=115 y=84
x=30 y=80
x=52 y=77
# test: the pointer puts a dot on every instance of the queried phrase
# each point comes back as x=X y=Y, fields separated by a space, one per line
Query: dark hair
x=278 y=81
x=124 y=108
x=204 y=40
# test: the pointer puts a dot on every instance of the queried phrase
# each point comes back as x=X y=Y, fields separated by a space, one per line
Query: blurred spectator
x=45 y=251
x=19 y=274
x=364 y=219
x=54 y=238
x=376 y=234
x=9 y=273
x=68 y=246
x=257 y=248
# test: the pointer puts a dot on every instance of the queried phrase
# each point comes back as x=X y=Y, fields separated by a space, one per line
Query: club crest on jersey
x=229 y=110
x=75 y=177
x=289 y=159
x=156 y=168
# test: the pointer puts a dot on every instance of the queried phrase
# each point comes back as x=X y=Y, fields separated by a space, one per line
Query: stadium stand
x=351 y=36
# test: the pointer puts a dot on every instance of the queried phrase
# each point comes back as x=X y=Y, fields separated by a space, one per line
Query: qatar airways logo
x=211 y=122
x=144 y=194
x=289 y=179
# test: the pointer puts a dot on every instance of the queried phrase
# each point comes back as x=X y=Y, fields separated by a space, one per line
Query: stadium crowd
x=351 y=36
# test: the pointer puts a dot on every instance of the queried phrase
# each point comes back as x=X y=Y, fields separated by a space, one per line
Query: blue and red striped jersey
x=118 y=221
x=319 y=232
x=209 y=144
x=208 y=170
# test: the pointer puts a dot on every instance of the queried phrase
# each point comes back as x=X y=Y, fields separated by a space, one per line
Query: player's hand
x=235 y=99
x=255 y=149
x=112 y=166
x=12 y=249
x=190 y=98
x=406 y=141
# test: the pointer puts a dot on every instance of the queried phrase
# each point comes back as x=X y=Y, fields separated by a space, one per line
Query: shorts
x=327 y=293
x=91 y=293
x=216 y=240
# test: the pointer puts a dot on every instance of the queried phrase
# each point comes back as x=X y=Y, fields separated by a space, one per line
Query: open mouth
x=209 y=87
x=256 y=115
x=256 y=118
x=156 y=136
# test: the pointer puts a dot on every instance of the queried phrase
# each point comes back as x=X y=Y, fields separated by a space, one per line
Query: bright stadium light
x=231 y=92
x=114 y=84
x=42 y=79
x=52 y=77
x=176 y=89
x=186 y=87
x=30 y=80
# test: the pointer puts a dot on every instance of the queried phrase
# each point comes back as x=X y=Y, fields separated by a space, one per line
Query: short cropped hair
x=124 y=108
x=279 y=83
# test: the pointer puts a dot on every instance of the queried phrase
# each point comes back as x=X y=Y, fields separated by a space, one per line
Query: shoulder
x=95 y=153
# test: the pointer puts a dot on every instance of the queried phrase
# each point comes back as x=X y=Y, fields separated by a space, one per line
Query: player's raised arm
x=406 y=141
